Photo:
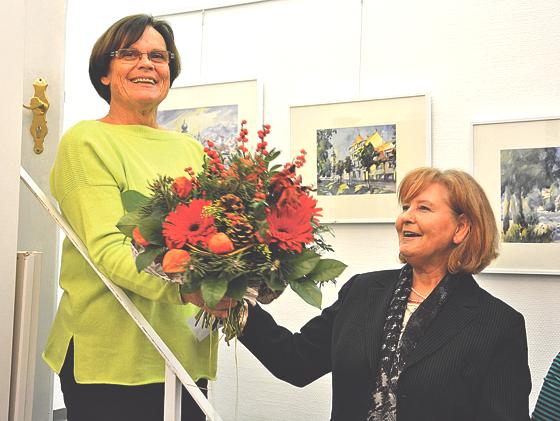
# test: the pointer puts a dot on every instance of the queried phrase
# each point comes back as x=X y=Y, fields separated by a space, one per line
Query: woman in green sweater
x=107 y=367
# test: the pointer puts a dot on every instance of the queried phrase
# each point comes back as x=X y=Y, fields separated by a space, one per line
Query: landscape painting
x=357 y=160
x=530 y=195
x=216 y=123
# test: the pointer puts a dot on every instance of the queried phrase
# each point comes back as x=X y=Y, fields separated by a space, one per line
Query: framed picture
x=213 y=111
x=518 y=165
x=358 y=151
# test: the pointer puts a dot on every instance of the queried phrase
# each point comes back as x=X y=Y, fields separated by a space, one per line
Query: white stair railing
x=175 y=374
x=24 y=346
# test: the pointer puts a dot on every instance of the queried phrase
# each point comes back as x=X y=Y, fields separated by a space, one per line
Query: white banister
x=172 y=404
x=173 y=366
x=24 y=345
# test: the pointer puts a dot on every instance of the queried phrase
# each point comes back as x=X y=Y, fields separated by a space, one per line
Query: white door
x=39 y=36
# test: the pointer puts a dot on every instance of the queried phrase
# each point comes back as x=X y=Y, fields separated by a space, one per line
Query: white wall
x=478 y=60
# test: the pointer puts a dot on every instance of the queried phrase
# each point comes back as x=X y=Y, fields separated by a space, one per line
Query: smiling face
x=139 y=84
x=428 y=229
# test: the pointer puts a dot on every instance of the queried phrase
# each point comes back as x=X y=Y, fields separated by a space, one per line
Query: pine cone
x=241 y=233
x=231 y=203
x=266 y=295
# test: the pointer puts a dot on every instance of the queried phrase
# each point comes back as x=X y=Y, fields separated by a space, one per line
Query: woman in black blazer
x=422 y=343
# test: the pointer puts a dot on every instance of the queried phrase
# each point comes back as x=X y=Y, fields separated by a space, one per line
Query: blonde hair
x=467 y=198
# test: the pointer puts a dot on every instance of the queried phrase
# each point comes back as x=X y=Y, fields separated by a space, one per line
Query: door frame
x=10 y=121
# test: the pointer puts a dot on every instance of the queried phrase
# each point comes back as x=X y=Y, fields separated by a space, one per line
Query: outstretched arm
x=297 y=358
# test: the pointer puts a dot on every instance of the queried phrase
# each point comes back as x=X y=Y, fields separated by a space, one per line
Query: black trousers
x=109 y=402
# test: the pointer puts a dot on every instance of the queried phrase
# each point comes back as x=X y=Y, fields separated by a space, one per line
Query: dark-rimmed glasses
x=133 y=55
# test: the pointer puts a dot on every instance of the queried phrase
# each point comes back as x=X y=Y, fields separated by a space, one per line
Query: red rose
x=182 y=186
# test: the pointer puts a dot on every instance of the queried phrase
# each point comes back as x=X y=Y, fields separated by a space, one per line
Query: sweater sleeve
x=87 y=181
x=297 y=358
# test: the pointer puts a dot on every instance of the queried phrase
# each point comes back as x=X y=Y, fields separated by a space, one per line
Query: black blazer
x=470 y=366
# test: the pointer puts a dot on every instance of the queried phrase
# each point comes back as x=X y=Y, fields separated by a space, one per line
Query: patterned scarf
x=393 y=352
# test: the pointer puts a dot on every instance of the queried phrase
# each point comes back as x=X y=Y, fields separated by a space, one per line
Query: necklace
x=417 y=293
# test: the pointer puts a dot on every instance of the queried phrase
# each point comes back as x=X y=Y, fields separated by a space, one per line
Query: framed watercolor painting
x=358 y=151
x=518 y=165
x=213 y=111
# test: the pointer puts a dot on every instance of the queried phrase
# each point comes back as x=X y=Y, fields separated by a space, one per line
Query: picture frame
x=358 y=151
x=214 y=111
x=516 y=163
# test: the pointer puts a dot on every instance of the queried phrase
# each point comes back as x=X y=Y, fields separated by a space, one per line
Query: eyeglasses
x=132 y=54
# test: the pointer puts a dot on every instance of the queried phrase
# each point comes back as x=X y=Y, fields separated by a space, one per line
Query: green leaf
x=272 y=155
x=274 y=282
x=307 y=290
x=236 y=288
x=150 y=228
x=299 y=265
x=132 y=200
x=128 y=222
x=144 y=259
x=213 y=290
x=189 y=287
x=326 y=270
x=259 y=210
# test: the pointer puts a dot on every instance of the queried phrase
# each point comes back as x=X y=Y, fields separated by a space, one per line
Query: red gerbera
x=286 y=188
x=291 y=228
x=187 y=224
x=307 y=206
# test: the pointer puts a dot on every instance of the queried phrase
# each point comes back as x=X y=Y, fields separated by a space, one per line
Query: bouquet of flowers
x=239 y=227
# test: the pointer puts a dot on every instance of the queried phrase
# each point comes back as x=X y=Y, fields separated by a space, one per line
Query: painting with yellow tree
x=356 y=160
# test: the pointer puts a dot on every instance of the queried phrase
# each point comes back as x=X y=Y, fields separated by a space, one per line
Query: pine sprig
x=163 y=199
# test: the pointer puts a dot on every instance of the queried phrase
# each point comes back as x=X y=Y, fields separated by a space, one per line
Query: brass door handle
x=39 y=105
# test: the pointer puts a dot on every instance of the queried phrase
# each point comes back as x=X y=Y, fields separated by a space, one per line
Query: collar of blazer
x=457 y=313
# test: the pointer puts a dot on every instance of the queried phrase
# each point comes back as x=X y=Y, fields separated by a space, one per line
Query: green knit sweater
x=95 y=163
